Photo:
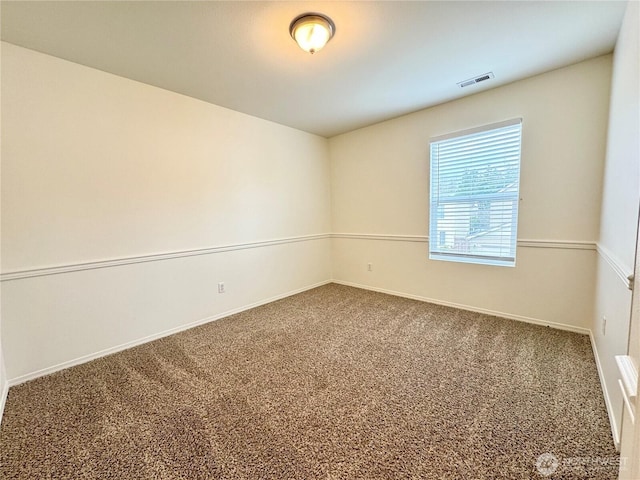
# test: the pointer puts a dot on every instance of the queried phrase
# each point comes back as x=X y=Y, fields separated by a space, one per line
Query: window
x=475 y=178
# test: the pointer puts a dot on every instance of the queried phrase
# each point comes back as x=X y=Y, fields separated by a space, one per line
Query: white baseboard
x=3 y=399
x=607 y=399
x=125 y=346
x=103 y=353
x=511 y=316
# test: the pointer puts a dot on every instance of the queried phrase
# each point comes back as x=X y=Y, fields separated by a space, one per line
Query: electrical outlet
x=604 y=326
x=221 y=287
x=370 y=267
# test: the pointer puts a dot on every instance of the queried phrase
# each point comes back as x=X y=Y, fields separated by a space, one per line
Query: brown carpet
x=333 y=383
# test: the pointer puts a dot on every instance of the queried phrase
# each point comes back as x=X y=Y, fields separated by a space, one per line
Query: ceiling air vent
x=478 y=79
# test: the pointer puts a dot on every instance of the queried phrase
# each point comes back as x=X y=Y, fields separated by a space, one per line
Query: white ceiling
x=386 y=59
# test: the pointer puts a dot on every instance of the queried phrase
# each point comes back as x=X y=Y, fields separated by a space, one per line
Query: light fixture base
x=312 y=31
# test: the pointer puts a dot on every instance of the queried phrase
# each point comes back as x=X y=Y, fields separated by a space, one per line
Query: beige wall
x=619 y=218
x=96 y=167
x=4 y=387
x=380 y=180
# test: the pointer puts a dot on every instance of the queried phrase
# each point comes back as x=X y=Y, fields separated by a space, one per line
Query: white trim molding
x=557 y=244
x=624 y=273
x=111 y=350
x=607 y=398
x=154 y=257
x=495 y=313
x=374 y=236
x=628 y=382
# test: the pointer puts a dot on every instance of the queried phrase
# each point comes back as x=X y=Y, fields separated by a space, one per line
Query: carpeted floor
x=333 y=383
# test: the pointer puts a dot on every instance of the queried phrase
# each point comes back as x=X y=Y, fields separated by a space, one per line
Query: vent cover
x=478 y=79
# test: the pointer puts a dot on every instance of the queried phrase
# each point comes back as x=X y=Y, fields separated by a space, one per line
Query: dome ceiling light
x=312 y=31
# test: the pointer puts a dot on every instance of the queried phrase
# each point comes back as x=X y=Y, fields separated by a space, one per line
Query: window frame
x=435 y=207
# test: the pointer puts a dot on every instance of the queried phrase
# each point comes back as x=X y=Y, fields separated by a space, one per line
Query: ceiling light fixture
x=312 y=31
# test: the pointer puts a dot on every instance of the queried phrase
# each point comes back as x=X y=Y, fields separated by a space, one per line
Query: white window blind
x=475 y=177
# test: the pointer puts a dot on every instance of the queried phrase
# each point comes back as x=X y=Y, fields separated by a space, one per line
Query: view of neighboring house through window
x=475 y=179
